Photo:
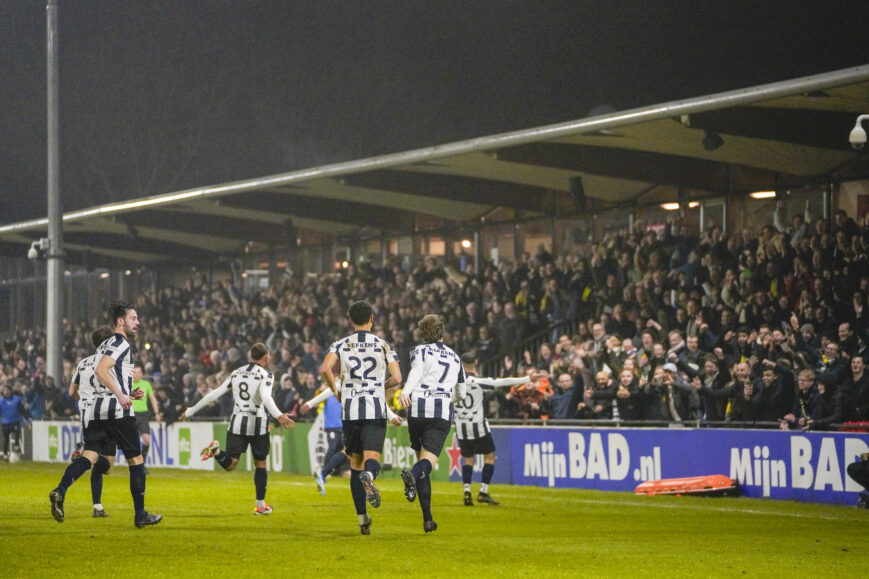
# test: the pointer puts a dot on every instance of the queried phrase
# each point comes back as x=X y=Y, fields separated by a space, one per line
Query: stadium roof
x=784 y=135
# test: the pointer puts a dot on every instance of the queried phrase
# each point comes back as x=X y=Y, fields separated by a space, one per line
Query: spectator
x=562 y=403
x=747 y=404
x=807 y=404
x=603 y=396
x=779 y=389
x=628 y=396
x=13 y=414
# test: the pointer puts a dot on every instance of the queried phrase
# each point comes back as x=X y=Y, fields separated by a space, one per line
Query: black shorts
x=143 y=421
x=474 y=446
x=428 y=433
x=362 y=435
x=260 y=444
x=101 y=436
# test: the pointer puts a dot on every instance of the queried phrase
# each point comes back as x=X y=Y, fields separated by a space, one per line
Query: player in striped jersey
x=84 y=387
x=436 y=377
x=251 y=387
x=363 y=359
x=472 y=428
x=110 y=416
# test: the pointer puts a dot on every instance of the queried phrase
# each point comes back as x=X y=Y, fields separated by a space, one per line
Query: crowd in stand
x=768 y=326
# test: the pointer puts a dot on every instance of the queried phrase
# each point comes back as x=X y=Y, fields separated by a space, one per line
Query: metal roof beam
x=469 y=189
x=199 y=223
x=345 y=212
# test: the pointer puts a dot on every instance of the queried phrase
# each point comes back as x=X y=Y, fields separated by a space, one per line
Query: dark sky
x=160 y=96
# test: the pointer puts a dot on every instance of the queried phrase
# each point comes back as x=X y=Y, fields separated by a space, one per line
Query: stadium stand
x=712 y=327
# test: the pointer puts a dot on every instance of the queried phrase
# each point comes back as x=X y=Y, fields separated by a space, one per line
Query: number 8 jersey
x=363 y=359
x=251 y=387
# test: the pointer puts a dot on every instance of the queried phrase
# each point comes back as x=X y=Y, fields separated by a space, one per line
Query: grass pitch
x=209 y=530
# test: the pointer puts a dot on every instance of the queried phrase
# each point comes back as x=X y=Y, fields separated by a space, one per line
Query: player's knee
x=232 y=464
x=91 y=456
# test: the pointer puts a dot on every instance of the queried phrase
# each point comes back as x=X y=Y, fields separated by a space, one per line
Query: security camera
x=857 y=137
x=39 y=245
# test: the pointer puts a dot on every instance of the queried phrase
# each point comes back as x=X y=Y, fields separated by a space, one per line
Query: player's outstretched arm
x=272 y=408
x=499 y=382
x=325 y=393
x=208 y=399
x=285 y=421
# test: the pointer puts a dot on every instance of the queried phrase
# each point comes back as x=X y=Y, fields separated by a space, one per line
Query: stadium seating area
x=637 y=326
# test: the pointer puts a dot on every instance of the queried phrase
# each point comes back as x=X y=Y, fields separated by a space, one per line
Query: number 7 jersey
x=435 y=372
x=363 y=359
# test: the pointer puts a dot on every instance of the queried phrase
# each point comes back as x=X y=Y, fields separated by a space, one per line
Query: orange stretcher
x=714 y=484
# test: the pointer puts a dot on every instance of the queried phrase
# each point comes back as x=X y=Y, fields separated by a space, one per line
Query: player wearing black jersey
x=436 y=376
x=251 y=387
x=363 y=359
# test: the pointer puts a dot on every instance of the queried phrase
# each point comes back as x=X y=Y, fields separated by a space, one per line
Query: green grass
x=209 y=530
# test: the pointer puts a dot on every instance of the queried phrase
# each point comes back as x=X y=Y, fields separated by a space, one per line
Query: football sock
x=358 y=492
x=223 y=459
x=101 y=467
x=137 y=488
x=488 y=471
x=484 y=488
x=77 y=468
x=333 y=464
x=260 y=479
x=98 y=506
x=373 y=467
x=145 y=449
x=467 y=473
x=421 y=471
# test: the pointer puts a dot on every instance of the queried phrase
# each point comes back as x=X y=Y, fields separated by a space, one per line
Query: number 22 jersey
x=363 y=359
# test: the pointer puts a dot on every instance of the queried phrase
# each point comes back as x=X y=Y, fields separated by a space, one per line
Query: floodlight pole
x=54 y=255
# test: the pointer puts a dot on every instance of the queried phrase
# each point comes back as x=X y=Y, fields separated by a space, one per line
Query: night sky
x=161 y=96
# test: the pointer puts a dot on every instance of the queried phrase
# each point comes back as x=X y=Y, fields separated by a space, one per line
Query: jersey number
x=446 y=366
x=243 y=391
x=370 y=363
x=466 y=402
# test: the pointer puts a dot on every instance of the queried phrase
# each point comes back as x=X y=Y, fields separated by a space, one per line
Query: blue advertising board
x=803 y=466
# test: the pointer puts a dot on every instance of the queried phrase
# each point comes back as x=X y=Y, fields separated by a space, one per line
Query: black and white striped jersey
x=104 y=404
x=363 y=360
x=251 y=387
x=89 y=386
x=434 y=372
x=471 y=420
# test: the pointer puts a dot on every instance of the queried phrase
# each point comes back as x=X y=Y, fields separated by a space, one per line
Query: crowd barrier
x=801 y=466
